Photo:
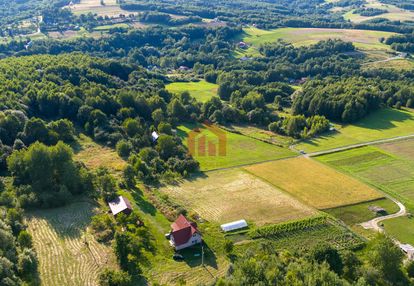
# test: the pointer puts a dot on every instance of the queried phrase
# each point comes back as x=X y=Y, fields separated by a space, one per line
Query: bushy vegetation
x=284 y=228
x=382 y=265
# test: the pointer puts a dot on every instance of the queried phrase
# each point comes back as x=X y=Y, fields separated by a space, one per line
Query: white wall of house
x=195 y=239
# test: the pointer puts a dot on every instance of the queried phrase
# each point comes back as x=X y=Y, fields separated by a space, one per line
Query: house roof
x=119 y=205
x=183 y=230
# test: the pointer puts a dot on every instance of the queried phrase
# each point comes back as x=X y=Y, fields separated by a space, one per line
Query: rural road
x=344 y=148
x=374 y=223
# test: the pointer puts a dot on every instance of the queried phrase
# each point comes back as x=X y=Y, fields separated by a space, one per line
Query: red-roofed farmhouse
x=184 y=233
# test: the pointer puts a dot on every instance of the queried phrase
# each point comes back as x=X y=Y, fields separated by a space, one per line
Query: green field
x=359 y=213
x=159 y=265
x=201 y=90
x=363 y=39
x=393 y=13
x=240 y=150
x=392 y=173
x=397 y=64
x=401 y=228
x=382 y=124
x=68 y=254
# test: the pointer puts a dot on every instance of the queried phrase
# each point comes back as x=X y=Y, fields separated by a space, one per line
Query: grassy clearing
x=382 y=124
x=393 y=13
x=387 y=171
x=401 y=228
x=67 y=253
x=160 y=267
x=359 y=213
x=240 y=150
x=94 y=156
x=397 y=64
x=313 y=183
x=365 y=40
x=261 y=134
x=226 y=196
x=111 y=8
x=201 y=90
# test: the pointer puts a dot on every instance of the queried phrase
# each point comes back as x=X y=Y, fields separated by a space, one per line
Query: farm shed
x=234 y=225
x=120 y=204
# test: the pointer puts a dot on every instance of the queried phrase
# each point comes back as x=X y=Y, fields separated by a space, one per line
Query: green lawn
x=363 y=39
x=359 y=213
x=401 y=228
x=240 y=150
x=393 y=173
x=201 y=90
x=382 y=124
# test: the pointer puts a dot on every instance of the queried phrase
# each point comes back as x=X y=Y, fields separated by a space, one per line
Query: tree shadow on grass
x=69 y=221
x=140 y=201
x=193 y=256
x=383 y=119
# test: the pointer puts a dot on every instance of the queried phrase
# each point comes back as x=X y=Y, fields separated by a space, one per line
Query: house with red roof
x=184 y=233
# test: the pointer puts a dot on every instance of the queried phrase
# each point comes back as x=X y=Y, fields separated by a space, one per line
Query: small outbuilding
x=408 y=249
x=120 y=205
x=184 y=233
x=235 y=225
x=154 y=136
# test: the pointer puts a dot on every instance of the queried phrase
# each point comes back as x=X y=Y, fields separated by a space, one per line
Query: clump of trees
x=47 y=176
x=321 y=265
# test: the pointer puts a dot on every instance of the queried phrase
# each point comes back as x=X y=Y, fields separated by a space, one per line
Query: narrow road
x=374 y=223
x=353 y=146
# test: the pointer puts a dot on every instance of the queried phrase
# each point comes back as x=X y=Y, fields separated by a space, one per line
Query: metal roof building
x=234 y=225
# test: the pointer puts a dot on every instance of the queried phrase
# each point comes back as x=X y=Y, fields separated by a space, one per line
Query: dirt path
x=374 y=223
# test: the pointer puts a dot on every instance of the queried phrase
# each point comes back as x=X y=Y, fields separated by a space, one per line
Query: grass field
x=67 y=253
x=160 y=267
x=111 y=8
x=240 y=149
x=359 y=213
x=201 y=90
x=382 y=124
x=363 y=39
x=313 y=183
x=230 y=195
x=397 y=64
x=401 y=228
x=94 y=156
x=262 y=134
x=393 y=13
x=391 y=172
